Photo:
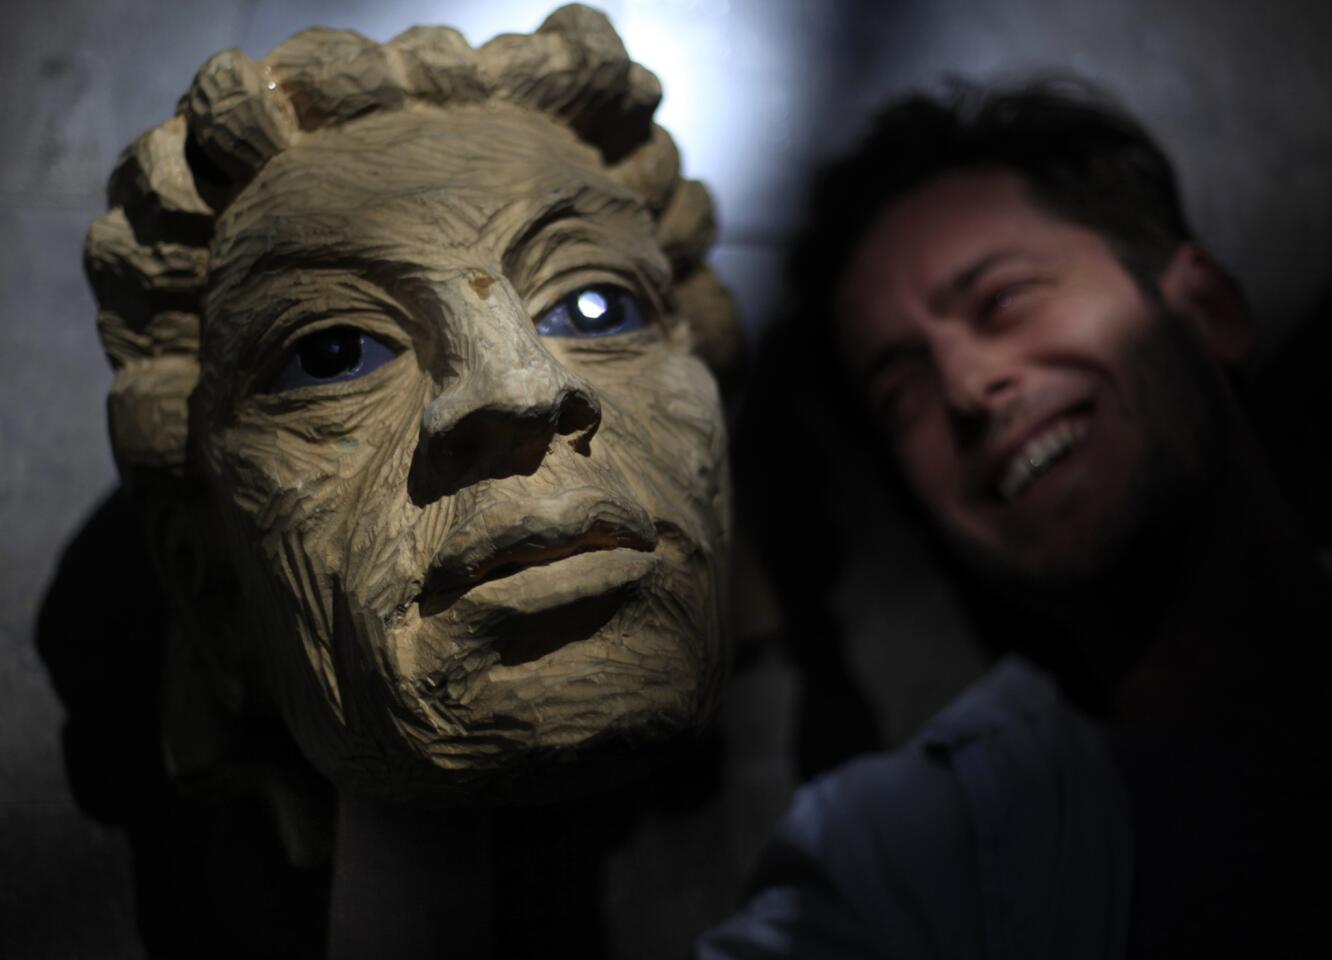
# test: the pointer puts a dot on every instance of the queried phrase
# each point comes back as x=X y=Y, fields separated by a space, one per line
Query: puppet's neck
x=410 y=883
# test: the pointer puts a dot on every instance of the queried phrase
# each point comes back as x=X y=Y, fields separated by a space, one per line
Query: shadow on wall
x=783 y=456
x=1292 y=408
x=204 y=861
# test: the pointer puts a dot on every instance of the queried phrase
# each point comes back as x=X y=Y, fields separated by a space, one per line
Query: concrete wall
x=756 y=91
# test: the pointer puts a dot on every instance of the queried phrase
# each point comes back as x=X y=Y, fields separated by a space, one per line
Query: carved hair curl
x=148 y=258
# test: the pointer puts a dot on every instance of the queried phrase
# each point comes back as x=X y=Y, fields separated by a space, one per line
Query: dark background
x=756 y=92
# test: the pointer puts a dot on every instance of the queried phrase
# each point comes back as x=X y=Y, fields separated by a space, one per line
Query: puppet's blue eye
x=330 y=355
x=599 y=311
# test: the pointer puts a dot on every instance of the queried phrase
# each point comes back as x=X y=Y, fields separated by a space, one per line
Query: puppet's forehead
x=419 y=188
x=409 y=200
x=483 y=157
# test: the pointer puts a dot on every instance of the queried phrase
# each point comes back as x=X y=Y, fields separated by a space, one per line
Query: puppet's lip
x=563 y=583
x=506 y=566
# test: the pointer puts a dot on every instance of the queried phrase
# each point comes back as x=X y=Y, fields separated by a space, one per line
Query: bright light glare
x=591 y=304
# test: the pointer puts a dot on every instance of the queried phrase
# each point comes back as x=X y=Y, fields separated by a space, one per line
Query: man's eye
x=599 y=311
x=330 y=355
x=993 y=305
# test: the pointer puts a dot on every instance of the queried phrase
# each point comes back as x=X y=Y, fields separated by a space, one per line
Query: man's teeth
x=1038 y=454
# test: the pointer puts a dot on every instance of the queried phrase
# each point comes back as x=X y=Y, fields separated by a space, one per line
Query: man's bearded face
x=1043 y=410
x=472 y=478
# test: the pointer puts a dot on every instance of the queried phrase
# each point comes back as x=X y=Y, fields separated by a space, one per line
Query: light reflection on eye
x=592 y=304
x=329 y=356
x=599 y=311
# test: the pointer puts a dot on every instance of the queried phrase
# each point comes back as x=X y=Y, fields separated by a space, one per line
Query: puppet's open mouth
x=524 y=637
x=539 y=608
x=512 y=569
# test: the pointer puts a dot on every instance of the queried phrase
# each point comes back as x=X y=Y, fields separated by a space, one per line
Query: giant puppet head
x=415 y=352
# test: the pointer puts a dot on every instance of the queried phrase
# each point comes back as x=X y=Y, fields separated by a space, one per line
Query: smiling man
x=1045 y=357
x=1039 y=404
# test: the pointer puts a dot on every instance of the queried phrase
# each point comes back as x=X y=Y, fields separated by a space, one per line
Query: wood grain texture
x=490 y=569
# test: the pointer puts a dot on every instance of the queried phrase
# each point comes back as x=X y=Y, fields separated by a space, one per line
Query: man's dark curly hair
x=1083 y=159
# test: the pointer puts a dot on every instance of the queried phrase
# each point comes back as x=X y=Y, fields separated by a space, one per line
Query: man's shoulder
x=909 y=821
x=1012 y=715
x=976 y=818
x=877 y=854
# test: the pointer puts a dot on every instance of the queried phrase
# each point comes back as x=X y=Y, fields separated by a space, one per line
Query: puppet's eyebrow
x=566 y=212
x=283 y=278
x=378 y=271
x=561 y=210
x=589 y=228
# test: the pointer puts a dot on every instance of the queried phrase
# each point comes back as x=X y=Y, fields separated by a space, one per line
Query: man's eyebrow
x=961 y=282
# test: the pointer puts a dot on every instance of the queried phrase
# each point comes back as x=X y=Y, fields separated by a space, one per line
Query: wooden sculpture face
x=471 y=480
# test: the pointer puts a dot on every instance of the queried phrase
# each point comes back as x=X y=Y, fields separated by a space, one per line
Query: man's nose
x=977 y=374
x=505 y=398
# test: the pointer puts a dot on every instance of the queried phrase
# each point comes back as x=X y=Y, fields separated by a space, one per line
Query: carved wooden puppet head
x=414 y=351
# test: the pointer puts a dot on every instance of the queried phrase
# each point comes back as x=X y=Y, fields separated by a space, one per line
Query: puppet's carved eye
x=330 y=355
x=599 y=311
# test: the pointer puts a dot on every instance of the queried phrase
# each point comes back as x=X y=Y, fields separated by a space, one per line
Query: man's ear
x=1204 y=294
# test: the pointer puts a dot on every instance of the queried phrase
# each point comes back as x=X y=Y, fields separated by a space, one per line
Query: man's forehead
x=948 y=220
x=939 y=234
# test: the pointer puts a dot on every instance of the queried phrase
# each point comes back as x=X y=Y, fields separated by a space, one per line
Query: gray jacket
x=1001 y=831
